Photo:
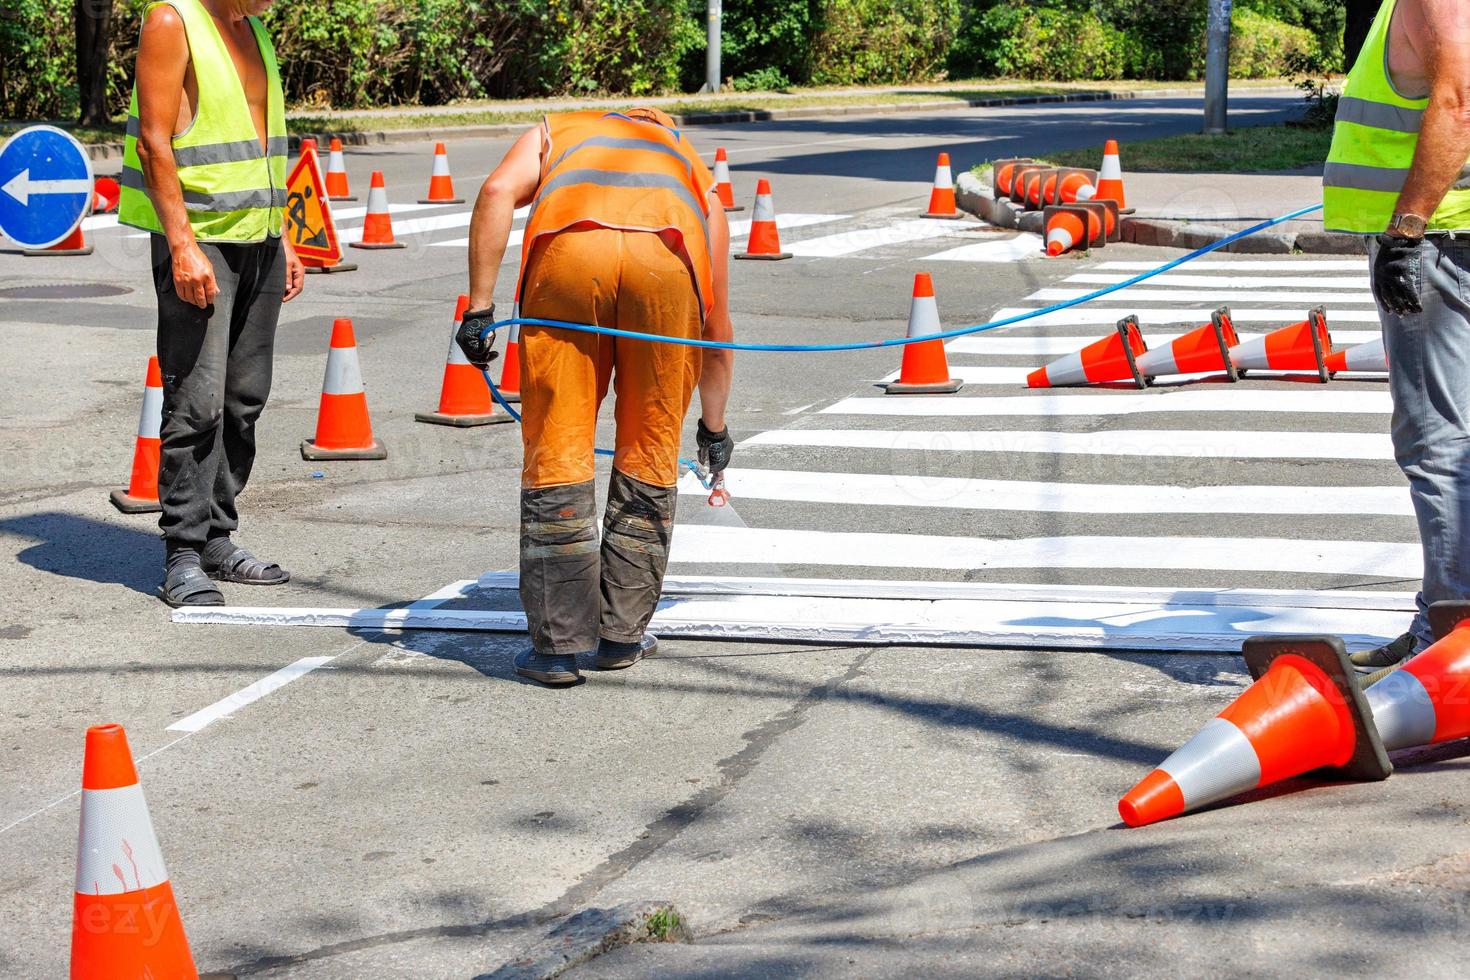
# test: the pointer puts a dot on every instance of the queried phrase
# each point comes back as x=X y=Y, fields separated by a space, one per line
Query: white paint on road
x=1215 y=294
x=1002 y=345
x=741 y=228
x=1023 y=246
x=1250 y=265
x=1257 y=282
x=1084 y=315
x=1319 y=399
x=860 y=240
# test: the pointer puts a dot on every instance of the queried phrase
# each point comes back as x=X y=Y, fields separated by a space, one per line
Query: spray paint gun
x=713 y=482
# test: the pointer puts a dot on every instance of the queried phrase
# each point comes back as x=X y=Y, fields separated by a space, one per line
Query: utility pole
x=1217 y=65
x=712 y=48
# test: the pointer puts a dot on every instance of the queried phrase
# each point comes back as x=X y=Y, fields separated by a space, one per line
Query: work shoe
x=1386 y=657
x=612 y=655
x=553 y=669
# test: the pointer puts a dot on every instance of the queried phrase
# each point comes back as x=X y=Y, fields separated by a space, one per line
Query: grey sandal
x=243 y=568
x=187 y=585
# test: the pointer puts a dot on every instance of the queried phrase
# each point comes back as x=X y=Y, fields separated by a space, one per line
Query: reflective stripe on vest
x=1373 y=144
x=233 y=190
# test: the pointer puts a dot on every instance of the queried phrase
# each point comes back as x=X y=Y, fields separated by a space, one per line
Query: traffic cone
x=941 y=198
x=343 y=428
x=723 y=188
x=1113 y=358
x=1427 y=700
x=464 y=398
x=765 y=242
x=510 y=370
x=1299 y=347
x=308 y=145
x=73 y=244
x=1303 y=712
x=105 y=192
x=377 y=225
x=924 y=369
x=1074 y=187
x=337 y=187
x=1360 y=357
x=141 y=496
x=1110 y=176
x=441 y=184
x=1065 y=231
x=1004 y=172
x=1197 y=352
x=125 y=921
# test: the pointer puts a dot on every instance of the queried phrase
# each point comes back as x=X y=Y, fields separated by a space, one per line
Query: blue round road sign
x=45 y=186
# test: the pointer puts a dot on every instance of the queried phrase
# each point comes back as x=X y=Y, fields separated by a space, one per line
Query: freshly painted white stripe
x=1079 y=315
x=1323 y=399
x=1201 y=443
x=1359 y=282
x=416 y=226
x=99 y=222
x=849 y=242
x=1141 y=294
x=359 y=211
x=697 y=543
x=741 y=228
x=1022 y=246
x=150 y=419
x=1218 y=762
x=225 y=707
x=1003 y=345
x=1050 y=497
x=512 y=244
x=972 y=374
x=343 y=375
x=1236 y=265
x=118 y=851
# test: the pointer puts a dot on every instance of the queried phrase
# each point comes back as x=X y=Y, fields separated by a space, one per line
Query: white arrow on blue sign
x=45 y=186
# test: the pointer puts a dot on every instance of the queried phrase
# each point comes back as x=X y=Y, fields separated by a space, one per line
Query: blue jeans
x=1429 y=375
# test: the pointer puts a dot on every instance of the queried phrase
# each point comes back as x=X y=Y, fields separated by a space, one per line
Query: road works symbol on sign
x=308 y=216
x=45 y=186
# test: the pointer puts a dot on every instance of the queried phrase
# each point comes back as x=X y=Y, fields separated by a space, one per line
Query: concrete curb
x=588 y=934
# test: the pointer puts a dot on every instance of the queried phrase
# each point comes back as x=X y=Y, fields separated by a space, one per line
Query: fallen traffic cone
x=343 y=428
x=941 y=197
x=105 y=193
x=73 y=244
x=1113 y=358
x=1303 y=712
x=924 y=369
x=765 y=242
x=464 y=398
x=1003 y=171
x=1073 y=186
x=1299 y=347
x=441 y=184
x=1200 y=351
x=125 y=921
x=337 y=187
x=510 y=370
x=377 y=225
x=141 y=496
x=1427 y=700
x=1360 y=357
x=1066 y=229
x=1110 y=176
x=724 y=190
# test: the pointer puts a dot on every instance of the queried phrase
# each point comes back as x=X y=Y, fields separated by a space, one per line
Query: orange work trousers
x=624 y=279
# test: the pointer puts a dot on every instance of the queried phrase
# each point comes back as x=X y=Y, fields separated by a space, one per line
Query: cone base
x=441 y=200
x=514 y=397
x=376 y=245
x=344 y=197
x=56 y=251
x=734 y=207
x=129 y=504
x=321 y=270
x=763 y=255
x=953 y=216
x=310 y=450
x=461 y=421
x=947 y=387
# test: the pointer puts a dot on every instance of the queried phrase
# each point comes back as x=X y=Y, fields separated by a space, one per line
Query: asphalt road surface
x=399 y=804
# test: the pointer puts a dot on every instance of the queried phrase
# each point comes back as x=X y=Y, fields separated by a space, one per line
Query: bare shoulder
x=163 y=19
x=1435 y=22
x=163 y=42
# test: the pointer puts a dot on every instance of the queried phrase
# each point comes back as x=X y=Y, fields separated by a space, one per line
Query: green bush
x=759 y=37
x=37 y=60
x=1049 y=44
x=1263 y=47
x=761 y=80
x=877 y=42
x=634 y=47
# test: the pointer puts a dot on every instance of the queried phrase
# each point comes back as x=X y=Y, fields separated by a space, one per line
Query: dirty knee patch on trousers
x=559 y=568
x=635 y=554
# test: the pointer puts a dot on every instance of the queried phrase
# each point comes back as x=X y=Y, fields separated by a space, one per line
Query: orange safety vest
x=613 y=171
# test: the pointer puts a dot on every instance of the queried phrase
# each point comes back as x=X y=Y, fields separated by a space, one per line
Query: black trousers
x=216 y=365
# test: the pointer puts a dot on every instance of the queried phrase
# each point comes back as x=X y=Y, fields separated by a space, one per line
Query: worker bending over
x=624 y=231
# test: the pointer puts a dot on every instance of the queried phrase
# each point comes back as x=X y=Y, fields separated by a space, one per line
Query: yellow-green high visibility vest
x=1373 y=145
x=233 y=190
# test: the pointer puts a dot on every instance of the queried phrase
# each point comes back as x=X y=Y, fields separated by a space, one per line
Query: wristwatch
x=1406 y=226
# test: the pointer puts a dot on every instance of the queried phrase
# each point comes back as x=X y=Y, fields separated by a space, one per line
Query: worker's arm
x=163 y=59
x=719 y=365
x=512 y=185
x=1439 y=32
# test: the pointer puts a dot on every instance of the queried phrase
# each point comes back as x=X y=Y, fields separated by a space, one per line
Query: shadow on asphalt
x=82 y=548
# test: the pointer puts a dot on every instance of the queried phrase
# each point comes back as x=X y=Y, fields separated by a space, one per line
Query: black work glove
x=1397 y=274
x=477 y=349
x=715 y=448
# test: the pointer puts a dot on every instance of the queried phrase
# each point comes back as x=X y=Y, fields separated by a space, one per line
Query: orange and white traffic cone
x=1065 y=231
x=343 y=427
x=510 y=370
x=1198 y=352
x=1427 y=700
x=73 y=244
x=1360 y=357
x=1299 y=347
x=765 y=241
x=724 y=190
x=464 y=398
x=308 y=145
x=941 y=198
x=1074 y=187
x=377 y=224
x=125 y=921
x=141 y=496
x=441 y=184
x=1113 y=358
x=337 y=186
x=105 y=193
x=1303 y=712
x=1110 y=176
x=924 y=369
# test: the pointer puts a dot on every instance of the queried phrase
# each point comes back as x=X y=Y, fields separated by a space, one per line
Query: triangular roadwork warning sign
x=308 y=216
